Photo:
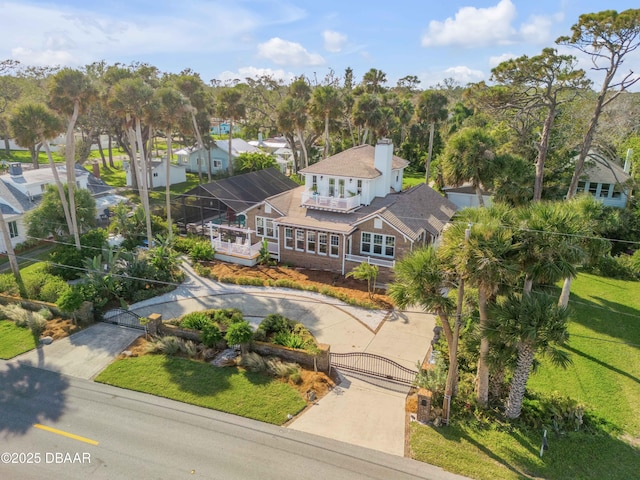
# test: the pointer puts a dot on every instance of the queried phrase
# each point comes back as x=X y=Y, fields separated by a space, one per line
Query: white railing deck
x=236 y=249
x=323 y=202
x=370 y=260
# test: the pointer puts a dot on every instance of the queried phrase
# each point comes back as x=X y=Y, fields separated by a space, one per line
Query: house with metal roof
x=351 y=209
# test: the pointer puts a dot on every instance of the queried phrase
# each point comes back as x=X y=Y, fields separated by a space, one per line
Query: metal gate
x=373 y=365
x=124 y=318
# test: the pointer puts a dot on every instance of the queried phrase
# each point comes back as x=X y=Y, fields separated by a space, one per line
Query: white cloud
x=473 y=27
x=333 y=41
x=496 y=60
x=255 y=72
x=538 y=29
x=283 y=52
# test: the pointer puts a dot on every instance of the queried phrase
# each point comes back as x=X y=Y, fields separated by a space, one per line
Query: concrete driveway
x=83 y=354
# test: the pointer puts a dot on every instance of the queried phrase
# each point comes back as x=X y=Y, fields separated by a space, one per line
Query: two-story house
x=351 y=209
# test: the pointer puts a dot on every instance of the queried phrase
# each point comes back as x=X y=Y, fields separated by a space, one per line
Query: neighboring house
x=465 y=196
x=33 y=183
x=14 y=205
x=605 y=179
x=218 y=156
x=350 y=210
x=224 y=200
x=177 y=173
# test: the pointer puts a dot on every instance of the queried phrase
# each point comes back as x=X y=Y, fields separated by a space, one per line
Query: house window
x=377 y=223
x=13 y=229
x=335 y=243
x=332 y=187
x=377 y=244
x=267 y=208
x=341 y=188
x=593 y=187
x=288 y=238
x=155 y=174
x=264 y=227
x=617 y=193
x=359 y=189
x=581 y=186
x=311 y=242
x=397 y=177
x=314 y=183
x=43 y=188
x=300 y=240
x=604 y=190
x=217 y=164
x=322 y=243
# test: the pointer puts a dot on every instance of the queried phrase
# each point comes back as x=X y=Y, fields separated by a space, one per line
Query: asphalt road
x=72 y=428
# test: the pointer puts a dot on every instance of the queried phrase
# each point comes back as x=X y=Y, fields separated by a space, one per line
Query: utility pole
x=12 y=256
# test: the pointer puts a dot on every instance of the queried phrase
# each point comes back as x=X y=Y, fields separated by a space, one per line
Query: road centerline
x=65 y=434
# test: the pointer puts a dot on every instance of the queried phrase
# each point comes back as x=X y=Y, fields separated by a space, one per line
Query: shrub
x=211 y=334
x=45 y=313
x=8 y=284
x=168 y=345
x=194 y=320
x=191 y=349
x=253 y=362
x=36 y=323
x=15 y=312
x=70 y=300
x=227 y=316
x=201 y=251
x=202 y=270
x=52 y=288
x=253 y=281
x=290 y=340
x=239 y=333
x=280 y=369
x=275 y=323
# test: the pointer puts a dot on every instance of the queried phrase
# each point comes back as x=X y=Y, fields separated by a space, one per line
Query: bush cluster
x=34 y=321
x=284 y=331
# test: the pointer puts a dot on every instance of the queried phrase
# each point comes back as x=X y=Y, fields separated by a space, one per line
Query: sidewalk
x=358 y=411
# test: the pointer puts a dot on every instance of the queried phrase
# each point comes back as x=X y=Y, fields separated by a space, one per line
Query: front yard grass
x=14 y=340
x=228 y=389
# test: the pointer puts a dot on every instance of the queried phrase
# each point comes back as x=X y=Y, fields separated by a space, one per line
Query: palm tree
x=431 y=110
x=482 y=248
x=172 y=106
x=366 y=113
x=421 y=279
x=326 y=103
x=373 y=81
x=470 y=157
x=70 y=92
x=192 y=87
x=230 y=106
x=532 y=324
x=132 y=98
x=34 y=122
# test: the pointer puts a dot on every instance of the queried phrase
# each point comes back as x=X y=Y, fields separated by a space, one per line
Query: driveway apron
x=83 y=354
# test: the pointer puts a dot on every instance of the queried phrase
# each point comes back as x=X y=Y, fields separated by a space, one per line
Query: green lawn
x=14 y=340
x=410 y=179
x=228 y=389
x=605 y=376
x=23 y=156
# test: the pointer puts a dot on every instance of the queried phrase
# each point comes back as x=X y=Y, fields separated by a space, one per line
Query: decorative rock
x=225 y=359
x=127 y=353
x=46 y=340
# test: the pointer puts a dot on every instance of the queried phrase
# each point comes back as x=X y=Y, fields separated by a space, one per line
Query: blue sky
x=434 y=40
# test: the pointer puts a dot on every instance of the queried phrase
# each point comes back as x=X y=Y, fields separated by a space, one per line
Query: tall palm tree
x=34 y=122
x=192 y=87
x=367 y=114
x=532 y=324
x=231 y=107
x=172 y=106
x=70 y=92
x=421 y=279
x=326 y=103
x=133 y=99
x=432 y=109
x=482 y=250
x=470 y=157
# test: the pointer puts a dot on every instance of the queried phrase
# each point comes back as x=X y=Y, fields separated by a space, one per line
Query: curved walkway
x=357 y=411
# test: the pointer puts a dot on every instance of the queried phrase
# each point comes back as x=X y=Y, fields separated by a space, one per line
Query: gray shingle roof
x=356 y=162
x=417 y=209
x=598 y=168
